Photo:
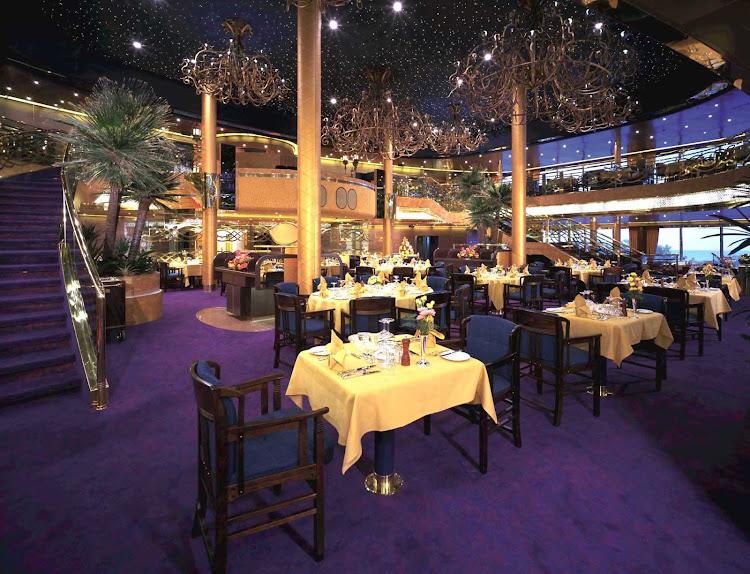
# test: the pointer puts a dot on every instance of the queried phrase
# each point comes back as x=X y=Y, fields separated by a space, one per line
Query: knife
x=361 y=372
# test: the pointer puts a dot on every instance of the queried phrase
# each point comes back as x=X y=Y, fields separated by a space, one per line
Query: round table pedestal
x=385 y=480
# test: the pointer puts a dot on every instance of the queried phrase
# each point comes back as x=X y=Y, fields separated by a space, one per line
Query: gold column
x=308 y=141
x=389 y=209
x=211 y=192
x=617 y=233
x=593 y=226
x=518 y=185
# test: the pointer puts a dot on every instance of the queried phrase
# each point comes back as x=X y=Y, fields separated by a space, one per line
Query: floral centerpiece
x=582 y=262
x=405 y=248
x=635 y=284
x=240 y=261
x=426 y=321
x=374 y=280
x=469 y=252
x=709 y=270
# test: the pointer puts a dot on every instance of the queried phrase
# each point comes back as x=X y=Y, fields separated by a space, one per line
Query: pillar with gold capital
x=308 y=142
x=211 y=189
x=593 y=230
x=618 y=147
x=389 y=202
x=616 y=234
x=518 y=168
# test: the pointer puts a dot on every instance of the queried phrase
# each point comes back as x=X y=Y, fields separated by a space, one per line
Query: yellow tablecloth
x=619 y=334
x=734 y=287
x=714 y=303
x=318 y=303
x=495 y=287
x=192 y=268
x=585 y=274
x=387 y=400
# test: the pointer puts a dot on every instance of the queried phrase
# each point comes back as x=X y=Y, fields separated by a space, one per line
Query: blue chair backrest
x=629 y=267
x=646 y=301
x=205 y=372
x=488 y=339
x=289 y=287
x=440 y=264
x=436 y=283
x=365 y=278
x=533 y=290
x=440 y=273
x=330 y=281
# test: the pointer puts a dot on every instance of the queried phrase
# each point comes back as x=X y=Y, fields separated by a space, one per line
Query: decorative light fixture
x=323 y=3
x=231 y=75
x=456 y=136
x=543 y=66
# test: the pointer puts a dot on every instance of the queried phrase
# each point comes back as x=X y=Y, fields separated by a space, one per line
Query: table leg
x=385 y=480
x=603 y=390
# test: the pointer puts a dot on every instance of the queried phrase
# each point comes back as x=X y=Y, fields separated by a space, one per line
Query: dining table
x=618 y=334
x=585 y=273
x=714 y=304
x=733 y=286
x=338 y=299
x=382 y=400
x=189 y=268
x=496 y=285
x=387 y=268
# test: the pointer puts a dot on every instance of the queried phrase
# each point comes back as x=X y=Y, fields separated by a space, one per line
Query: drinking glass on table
x=385 y=333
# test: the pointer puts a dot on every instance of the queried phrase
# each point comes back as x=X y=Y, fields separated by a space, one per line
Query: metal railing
x=85 y=293
x=579 y=239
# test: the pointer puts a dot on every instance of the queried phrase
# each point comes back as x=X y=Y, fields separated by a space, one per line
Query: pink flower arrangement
x=240 y=262
x=469 y=252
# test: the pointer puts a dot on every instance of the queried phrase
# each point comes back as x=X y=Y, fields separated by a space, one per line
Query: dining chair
x=331 y=281
x=436 y=283
x=238 y=457
x=170 y=276
x=648 y=349
x=361 y=270
x=551 y=357
x=365 y=314
x=478 y=294
x=288 y=287
x=441 y=300
x=459 y=308
x=403 y=272
x=495 y=342
x=685 y=319
x=294 y=325
x=435 y=271
x=528 y=294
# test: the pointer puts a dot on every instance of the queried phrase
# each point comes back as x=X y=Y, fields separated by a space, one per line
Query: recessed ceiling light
x=729 y=120
x=487 y=57
x=137 y=45
x=36 y=82
x=333 y=101
x=333 y=25
x=398 y=6
x=178 y=119
x=598 y=26
x=686 y=127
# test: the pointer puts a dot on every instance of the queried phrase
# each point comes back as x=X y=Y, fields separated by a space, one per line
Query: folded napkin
x=358 y=288
x=571 y=262
x=682 y=283
x=402 y=289
x=692 y=282
x=607 y=264
x=427 y=263
x=582 y=308
x=615 y=293
x=424 y=287
x=592 y=264
x=381 y=276
x=418 y=278
x=525 y=270
x=646 y=276
x=467 y=270
x=336 y=353
x=348 y=278
x=483 y=268
x=558 y=263
x=323 y=285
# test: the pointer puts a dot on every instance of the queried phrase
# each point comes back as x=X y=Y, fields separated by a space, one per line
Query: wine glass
x=385 y=333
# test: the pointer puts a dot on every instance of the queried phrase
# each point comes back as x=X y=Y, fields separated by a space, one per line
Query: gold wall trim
x=293 y=175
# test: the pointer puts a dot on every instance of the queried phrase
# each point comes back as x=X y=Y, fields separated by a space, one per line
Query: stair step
x=20 y=342
x=8 y=244
x=19 y=391
x=25 y=255
x=29 y=364
x=32 y=320
x=31 y=301
x=35 y=284
x=19 y=271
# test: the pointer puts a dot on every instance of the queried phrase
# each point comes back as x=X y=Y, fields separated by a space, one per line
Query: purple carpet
x=659 y=483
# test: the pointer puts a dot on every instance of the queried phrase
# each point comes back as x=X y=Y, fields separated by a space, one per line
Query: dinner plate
x=319 y=351
x=644 y=311
x=555 y=309
x=457 y=356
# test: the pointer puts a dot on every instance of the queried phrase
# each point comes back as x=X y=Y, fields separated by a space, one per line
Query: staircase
x=37 y=353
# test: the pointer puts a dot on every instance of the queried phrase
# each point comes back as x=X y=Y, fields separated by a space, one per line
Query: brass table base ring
x=384 y=485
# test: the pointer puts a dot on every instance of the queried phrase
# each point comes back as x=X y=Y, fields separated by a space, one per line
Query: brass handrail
x=93 y=352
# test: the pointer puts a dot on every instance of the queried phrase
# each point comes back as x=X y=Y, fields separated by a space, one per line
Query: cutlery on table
x=361 y=372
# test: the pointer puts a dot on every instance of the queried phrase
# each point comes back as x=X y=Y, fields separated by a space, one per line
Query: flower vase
x=423 y=361
x=635 y=308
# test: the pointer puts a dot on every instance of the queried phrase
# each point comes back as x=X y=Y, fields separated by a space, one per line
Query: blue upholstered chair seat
x=571 y=356
x=277 y=452
x=308 y=325
x=547 y=292
x=436 y=283
x=500 y=384
x=408 y=323
x=174 y=275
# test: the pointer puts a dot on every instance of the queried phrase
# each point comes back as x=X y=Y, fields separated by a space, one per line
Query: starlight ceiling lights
x=456 y=136
x=323 y=3
x=231 y=75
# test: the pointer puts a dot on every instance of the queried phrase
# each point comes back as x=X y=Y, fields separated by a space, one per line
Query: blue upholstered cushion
x=547 y=292
x=287 y=287
x=488 y=339
x=440 y=273
x=436 y=283
x=365 y=278
x=500 y=383
x=440 y=264
x=174 y=275
x=205 y=372
x=277 y=452
x=362 y=324
x=308 y=325
x=647 y=301
x=577 y=356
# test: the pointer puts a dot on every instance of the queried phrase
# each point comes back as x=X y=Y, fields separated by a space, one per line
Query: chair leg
x=483 y=432
x=221 y=543
x=538 y=374
x=700 y=339
x=659 y=367
x=200 y=511
x=277 y=349
x=516 y=419
x=559 y=398
x=718 y=322
x=597 y=390
x=682 y=348
x=319 y=526
x=426 y=425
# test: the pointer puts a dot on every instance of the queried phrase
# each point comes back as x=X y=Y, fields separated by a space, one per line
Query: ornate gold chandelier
x=573 y=72
x=323 y=3
x=231 y=75
x=456 y=136
x=375 y=126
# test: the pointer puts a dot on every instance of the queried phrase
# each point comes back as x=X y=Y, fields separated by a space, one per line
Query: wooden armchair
x=406 y=318
x=365 y=315
x=685 y=319
x=238 y=457
x=170 y=277
x=294 y=324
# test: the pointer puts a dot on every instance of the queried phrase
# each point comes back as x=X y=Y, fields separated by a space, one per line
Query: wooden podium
x=239 y=292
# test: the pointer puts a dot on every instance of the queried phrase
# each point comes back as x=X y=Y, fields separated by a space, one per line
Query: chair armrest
x=239 y=391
